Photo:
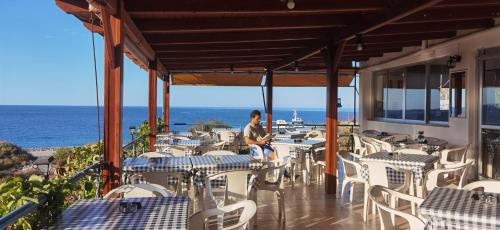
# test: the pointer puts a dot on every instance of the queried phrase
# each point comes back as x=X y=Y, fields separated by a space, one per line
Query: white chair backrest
x=154 y=155
x=282 y=150
x=378 y=173
x=382 y=145
x=492 y=186
x=276 y=168
x=138 y=190
x=396 y=137
x=236 y=186
x=199 y=220
x=457 y=154
x=370 y=147
x=412 y=151
x=219 y=153
x=377 y=194
x=351 y=168
x=358 y=146
x=180 y=151
x=227 y=136
x=164 y=179
x=436 y=177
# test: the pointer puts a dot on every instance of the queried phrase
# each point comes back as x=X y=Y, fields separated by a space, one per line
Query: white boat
x=296 y=120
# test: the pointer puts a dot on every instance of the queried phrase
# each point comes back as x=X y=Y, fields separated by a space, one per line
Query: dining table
x=418 y=164
x=447 y=208
x=153 y=213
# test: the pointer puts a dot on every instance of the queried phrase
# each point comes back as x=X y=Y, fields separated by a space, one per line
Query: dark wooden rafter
x=113 y=93
x=230 y=8
x=242 y=46
x=362 y=27
x=452 y=14
x=223 y=53
x=239 y=24
x=433 y=27
x=220 y=58
x=240 y=37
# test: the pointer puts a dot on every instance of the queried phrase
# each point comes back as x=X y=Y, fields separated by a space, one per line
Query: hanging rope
x=98 y=177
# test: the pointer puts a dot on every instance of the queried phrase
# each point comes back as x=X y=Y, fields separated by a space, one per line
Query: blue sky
x=46 y=59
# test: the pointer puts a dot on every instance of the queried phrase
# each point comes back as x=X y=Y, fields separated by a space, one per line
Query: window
x=415 y=93
x=457 y=94
x=491 y=92
x=394 y=94
x=418 y=93
x=439 y=86
x=379 y=85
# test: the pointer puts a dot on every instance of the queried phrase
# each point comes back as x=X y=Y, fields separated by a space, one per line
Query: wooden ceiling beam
x=239 y=37
x=224 y=53
x=231 y=8
x=404 y=9
x=374 y=46
x=432 y=27
x=293 y=44
x=222 y=24
x=228 y=58
x=452 y=14
x=390 y=39
x=448 y=4
x=227 y=63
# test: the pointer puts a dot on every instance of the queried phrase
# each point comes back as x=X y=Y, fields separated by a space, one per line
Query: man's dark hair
x=254 y=113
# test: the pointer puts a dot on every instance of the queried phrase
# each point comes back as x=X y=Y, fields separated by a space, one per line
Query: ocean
x=56 y=126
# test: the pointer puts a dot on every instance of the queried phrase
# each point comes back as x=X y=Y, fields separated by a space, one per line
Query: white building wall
x=459 y=131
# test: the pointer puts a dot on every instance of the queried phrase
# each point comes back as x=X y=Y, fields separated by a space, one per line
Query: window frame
x=427 y=99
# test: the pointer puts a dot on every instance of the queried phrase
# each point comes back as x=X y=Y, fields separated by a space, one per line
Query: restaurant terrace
x=429 y=115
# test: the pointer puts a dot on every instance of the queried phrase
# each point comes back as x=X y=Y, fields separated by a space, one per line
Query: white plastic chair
x=264 y=184
x=163 y=179
x=378 y=176
x=352 y=175
x=412 y=151
x=382 y=145
x=439 y=177
x=219 y=153
x=236 y=187
x=492 y=186
x=388 y=212
x=449 y=158
x=138 y=190
x=200 y=219
x=359 y=149
x=318 y=163
x=369 y=146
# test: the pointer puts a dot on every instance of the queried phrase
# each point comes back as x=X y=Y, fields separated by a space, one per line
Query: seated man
x=255 y=134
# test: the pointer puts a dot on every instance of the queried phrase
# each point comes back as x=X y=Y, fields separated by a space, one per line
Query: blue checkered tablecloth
x=157 y=164
x=155 y=213
x=447 y=208
x=418 y=164
x=209 y=165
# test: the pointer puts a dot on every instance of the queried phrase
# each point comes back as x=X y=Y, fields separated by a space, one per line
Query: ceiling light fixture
x=290 y=4
x=453 y=60
x=296 y=66
x=231 y=68
x=359 y=43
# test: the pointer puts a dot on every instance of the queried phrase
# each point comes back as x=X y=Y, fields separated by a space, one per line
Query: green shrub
x=207 y=126
x=12 y=156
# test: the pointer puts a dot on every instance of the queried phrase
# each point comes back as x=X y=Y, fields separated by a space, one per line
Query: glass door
x=490 y=113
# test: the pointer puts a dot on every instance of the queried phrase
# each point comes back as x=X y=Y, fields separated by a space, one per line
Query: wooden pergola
x=183 y=37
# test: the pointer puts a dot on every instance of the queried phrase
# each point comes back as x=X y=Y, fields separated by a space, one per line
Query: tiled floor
x=310 y=208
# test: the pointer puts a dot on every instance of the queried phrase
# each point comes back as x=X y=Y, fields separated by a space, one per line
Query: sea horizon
x=45 y=126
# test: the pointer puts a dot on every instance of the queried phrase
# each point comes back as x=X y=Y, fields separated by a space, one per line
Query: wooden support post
x=166 y=103
x=113 y=93
x=269 y=104
x=332 y=55
x=152 y=94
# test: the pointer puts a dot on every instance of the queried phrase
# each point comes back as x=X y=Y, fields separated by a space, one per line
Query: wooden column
x=269 y=104
x=166 y=103
x=113 y=93
x=332 y=55
x=152 y=94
